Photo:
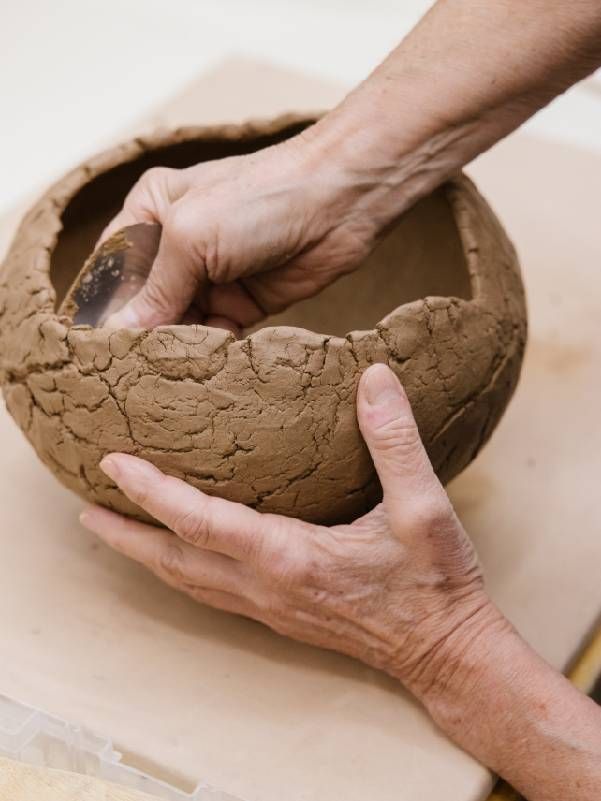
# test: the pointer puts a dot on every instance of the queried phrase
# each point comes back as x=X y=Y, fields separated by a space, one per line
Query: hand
x=400 y=589
x=244 y=236
x=389 y=589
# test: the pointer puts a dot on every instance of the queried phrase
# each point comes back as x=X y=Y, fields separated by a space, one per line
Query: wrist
x=467 y=684
x=382 y=163
x=449 y=651
x=502 y=703
x=462 y=665
x=341 y=187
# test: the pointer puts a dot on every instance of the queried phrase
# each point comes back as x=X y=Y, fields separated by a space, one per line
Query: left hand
x=391 y=589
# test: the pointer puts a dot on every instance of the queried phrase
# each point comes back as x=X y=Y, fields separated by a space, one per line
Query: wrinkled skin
x=297 y=230
x=400 y=588
x=387 y=589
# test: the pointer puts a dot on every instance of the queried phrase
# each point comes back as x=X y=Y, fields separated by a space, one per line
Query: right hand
x=245 y=236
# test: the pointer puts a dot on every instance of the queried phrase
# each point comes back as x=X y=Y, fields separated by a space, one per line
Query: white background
x=74 y=72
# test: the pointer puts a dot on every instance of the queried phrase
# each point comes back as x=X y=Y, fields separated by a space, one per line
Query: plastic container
x=30 y=735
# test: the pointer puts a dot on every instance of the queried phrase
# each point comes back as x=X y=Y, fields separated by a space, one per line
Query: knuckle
x=306 y=571
x=155 y=294
x=290 y=568
x=142 y=494
x=194 y=527
x=180 y=224
x=170 y=560
x=145 y=189
x=400 y=435
x=428 y=513
x=290 y=558
x=199 y=236
x=217 y=263
x=155 y=176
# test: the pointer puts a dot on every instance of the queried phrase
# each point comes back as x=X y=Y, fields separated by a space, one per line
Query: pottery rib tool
x=112 y=275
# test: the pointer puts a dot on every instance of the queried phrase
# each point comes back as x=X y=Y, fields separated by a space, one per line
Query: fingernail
x=110 y=467
x=381 y=386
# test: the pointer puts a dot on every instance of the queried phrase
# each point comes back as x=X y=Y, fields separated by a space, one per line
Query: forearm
x=467 y=75
x=502 y=703
x=470 y=73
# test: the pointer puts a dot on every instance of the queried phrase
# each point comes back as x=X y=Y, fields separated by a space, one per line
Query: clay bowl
x=268 y=420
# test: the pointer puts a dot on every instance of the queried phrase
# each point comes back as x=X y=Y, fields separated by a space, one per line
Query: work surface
x=196 y=694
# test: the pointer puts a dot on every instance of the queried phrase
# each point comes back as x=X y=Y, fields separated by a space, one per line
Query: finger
x=390 y=432
x=235 y=302
x=150 y=199
x=125 y=217
x=169 y=289
x=194 y=316
x=225 y=602
x=164 y=554
x=298 y=278
x=225 y=323
x=198 y=519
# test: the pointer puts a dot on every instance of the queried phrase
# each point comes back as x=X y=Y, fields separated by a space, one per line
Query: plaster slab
x=92 y=637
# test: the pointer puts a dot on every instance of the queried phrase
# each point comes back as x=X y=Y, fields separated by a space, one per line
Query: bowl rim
x=46 y=215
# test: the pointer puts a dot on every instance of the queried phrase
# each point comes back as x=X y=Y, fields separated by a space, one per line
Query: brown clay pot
x=268 y=420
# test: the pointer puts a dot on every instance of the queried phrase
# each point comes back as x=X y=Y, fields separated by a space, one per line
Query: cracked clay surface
x=268 y=420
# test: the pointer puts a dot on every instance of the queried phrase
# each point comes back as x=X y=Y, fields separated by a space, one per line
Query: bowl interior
x=421 y=256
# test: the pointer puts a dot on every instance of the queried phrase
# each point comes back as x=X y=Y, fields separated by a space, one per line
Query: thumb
x=169 y=289
x=390 y=432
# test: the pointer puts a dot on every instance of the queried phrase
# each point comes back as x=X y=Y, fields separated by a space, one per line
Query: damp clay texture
x=269 y=419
